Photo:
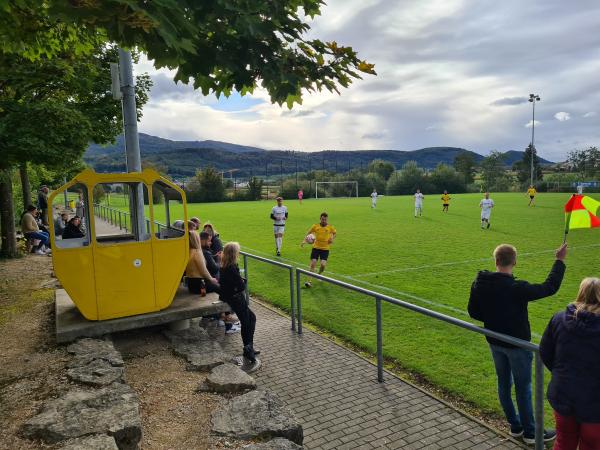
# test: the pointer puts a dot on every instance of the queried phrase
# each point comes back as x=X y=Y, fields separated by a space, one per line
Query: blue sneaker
x=549 y=435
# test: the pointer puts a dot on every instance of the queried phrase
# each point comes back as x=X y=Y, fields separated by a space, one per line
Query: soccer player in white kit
x=419 y=203
x=374 y=198
x=279 y=214
x=486 y=204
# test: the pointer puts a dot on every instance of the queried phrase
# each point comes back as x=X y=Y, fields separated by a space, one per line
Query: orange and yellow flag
x=582 y=212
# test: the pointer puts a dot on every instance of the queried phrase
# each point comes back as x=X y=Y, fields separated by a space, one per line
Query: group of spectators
x=213 y=267
x=570 y=349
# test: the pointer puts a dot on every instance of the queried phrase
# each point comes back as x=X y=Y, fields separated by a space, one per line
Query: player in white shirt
x=279 y=214
x=374 y=198
x=486 y=204
x=419 y=203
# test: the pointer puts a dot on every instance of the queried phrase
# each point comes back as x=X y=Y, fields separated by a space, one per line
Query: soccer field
x=430 y=261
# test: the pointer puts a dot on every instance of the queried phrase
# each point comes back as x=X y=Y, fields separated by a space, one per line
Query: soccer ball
x=310 y=238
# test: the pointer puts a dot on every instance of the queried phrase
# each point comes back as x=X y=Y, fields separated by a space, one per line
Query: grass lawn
x=430 y=261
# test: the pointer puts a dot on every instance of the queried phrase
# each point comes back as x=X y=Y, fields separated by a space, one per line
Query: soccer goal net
x=336 y=189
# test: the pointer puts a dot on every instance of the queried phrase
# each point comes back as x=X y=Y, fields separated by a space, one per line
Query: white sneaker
x=234 y=329
x=48 y=251
x=39 y=252
x=221 y=323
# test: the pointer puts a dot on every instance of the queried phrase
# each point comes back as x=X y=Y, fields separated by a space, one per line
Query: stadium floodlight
x=352 y=191
x=533 y=98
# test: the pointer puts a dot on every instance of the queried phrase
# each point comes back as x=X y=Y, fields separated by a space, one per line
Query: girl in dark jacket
x=570 y=348
x=73 y=229
x=233 y=292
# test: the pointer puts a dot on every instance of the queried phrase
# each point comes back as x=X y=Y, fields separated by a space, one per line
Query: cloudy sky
x=450 y=73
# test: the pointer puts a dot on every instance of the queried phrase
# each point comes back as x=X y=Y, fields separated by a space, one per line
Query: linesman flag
x=581 y=212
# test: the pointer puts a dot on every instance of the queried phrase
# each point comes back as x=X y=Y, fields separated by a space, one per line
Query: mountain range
x=183 y=158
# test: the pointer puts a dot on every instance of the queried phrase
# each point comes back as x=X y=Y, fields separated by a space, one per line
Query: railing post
x=246 y=275
x=539 y=402
x=120 y=225
x=292 y=305
x=379 y=340
x=299 y=301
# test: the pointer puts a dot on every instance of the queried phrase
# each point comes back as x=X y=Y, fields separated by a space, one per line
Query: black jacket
x=570 y=348
x=72 y=232
x=211 y=264
x=231 y=282
x=500 y=301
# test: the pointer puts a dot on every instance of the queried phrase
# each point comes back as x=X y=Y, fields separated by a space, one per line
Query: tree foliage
x=523 y=167
x=222 y=46
x=208 y=187
x=465 y=164
x=493 y=172
x=382 y=168
x=255 y=186
x=586 y=162
x=445 y=177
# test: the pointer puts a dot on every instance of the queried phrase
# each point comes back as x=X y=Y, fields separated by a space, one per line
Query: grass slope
x=430 y=261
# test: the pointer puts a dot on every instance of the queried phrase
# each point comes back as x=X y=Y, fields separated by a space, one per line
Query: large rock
x=193 y=334
x=228 y=378
x=206 y=360
x=275 y=444
x=257 y=415
x=197 y=347
x=112 y=410
x=98 y=372
x=95 y=442
x=86 y=350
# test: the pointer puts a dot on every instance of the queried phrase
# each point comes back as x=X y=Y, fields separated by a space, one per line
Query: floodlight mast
x=532 y=99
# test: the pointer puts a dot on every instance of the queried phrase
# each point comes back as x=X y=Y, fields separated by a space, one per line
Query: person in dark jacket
x=500 y=301
x=570 y=348
x=43 y=204
x=73 y=229
x=216 y=246
x=233 y=292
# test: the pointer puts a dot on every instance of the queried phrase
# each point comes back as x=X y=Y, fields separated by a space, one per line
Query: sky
x=454 y=73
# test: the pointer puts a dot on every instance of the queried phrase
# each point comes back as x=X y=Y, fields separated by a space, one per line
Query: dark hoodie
x=570 y=348
x=500 y=301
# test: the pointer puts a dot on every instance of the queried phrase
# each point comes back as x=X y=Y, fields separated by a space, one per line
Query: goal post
x=352 y=187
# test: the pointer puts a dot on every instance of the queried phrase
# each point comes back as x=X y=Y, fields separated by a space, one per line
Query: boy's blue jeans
x=515 y=364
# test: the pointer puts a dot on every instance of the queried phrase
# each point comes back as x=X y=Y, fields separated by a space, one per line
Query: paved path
x=336 y=396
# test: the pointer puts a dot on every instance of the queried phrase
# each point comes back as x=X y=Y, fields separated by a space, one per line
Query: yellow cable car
x=113 y=255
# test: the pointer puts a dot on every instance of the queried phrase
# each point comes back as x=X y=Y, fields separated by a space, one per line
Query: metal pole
x=132 y=143
x=539 y=402
x=299 y=302
x=65 y=194
x=532 y=139
x=379 y=341
x=246 y=275
x=292 y=305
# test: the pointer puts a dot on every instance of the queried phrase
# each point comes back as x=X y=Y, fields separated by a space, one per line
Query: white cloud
x=562 y=116
x=590 y=114
x=529 y=124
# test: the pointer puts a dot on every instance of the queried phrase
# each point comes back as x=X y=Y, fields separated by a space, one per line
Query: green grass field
x=430 y=261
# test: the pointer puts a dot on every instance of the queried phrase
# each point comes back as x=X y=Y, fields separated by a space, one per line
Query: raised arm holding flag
x=581 y=211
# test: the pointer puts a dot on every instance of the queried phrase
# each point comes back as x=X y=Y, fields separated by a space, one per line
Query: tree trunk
x=8 y=233
x=25 y=186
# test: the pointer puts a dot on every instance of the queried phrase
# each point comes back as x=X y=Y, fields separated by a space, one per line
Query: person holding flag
x=581 y=211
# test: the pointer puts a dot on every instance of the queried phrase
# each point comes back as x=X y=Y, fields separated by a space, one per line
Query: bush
x=445 y=177
x=408 y=180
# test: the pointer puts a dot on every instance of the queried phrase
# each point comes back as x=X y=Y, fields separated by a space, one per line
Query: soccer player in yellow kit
x=324 y=237
x=445 y=201
x=531 y=192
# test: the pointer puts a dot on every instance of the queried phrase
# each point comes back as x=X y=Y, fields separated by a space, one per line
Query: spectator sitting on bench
x=60 y=223
x=31 y=231
x=196 y=272
x=73 y=229
x=216 y=246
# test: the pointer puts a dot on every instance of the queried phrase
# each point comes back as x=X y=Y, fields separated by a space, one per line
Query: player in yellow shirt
x=324 y=237
x=531 y=192
x=445 y=201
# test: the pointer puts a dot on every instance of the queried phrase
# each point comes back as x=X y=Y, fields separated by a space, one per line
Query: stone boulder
x=86 y=350
x=257 y=415
x=112 y=410
x=95 y=442
x=228 y=378
x=98 y=372
x=200 y=350
x=275 y=444
x=192 y=335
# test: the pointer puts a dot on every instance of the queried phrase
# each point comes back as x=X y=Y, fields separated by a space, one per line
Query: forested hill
x=181 y=158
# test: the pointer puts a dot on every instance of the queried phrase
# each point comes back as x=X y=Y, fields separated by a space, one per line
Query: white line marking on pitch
x=454 y=263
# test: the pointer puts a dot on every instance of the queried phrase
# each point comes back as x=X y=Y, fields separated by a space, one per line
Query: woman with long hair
x=233 y=292
x=196 y=272
x=216 y=246
x=570 y=348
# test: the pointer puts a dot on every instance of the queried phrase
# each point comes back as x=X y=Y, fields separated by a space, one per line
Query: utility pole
x=281 y=172
x=296 y=159
x=132 y=143
x=532 y=99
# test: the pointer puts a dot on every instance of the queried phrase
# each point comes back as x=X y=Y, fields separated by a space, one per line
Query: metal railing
x=121 y=219
x=278 y=264
x=539 y=367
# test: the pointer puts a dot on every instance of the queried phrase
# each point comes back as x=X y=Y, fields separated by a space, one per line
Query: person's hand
x=330 y=241
x=561 y=253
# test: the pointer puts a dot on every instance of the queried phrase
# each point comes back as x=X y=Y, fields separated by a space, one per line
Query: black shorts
x=446 y=204
x=532 y=197
x=317 y=253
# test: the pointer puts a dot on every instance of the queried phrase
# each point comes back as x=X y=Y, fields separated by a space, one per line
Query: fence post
x=120 y=227
x=379 y=341
x=246 y=275
x=299 y=301
x=292 y=305
x=539 y=402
